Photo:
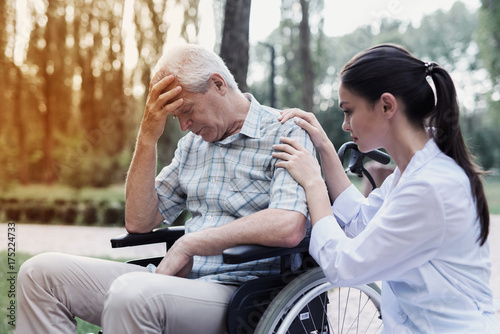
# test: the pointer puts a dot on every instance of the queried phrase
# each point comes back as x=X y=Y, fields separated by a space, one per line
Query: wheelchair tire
x=310 y=304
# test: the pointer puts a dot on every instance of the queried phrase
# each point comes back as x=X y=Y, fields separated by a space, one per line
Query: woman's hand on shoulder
x=299 y=162
x=308 y=122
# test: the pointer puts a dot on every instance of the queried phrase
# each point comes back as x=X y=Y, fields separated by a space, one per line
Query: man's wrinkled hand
x=177 y=262
x=162 y=101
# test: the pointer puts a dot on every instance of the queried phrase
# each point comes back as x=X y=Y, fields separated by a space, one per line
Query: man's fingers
x=160 y=81
x=167 y=84
x=170 y=108
x=170 y=96
x=161 y=74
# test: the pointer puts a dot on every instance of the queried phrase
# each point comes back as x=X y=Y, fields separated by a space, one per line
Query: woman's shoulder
x=445 y=176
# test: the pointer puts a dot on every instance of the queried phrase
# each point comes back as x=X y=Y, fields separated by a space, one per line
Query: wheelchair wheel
x=310 y=304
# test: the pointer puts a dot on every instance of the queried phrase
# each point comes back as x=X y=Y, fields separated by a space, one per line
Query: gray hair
x=193 y=65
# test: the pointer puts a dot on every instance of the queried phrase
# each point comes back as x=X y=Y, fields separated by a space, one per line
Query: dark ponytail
x=392 y=69
x=448 y=136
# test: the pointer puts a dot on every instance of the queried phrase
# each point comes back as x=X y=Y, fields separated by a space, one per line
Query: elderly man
x=222 y=172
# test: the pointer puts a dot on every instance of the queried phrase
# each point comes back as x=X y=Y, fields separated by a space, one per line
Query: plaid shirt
x=219 y=182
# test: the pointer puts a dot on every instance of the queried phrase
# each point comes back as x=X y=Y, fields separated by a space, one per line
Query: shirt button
x=209 y=217
x=402 y=317
x=212 y=180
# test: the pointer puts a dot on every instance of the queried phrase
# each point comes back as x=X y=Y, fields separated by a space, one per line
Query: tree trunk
x=48 y=82
x=20 y=126
x=234 y=46
x=305 y=57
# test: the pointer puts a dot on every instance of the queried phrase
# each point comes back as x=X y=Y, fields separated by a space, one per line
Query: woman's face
x=363 y=120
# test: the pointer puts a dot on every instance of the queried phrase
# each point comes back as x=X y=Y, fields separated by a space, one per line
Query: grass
x=114 y=193
x=492 y=190
x=83 y=326
x=60 y=204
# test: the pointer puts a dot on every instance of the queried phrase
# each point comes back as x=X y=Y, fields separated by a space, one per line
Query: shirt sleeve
x=172 y=199
x=404 y=234
x=353 y=211
x=285 y=192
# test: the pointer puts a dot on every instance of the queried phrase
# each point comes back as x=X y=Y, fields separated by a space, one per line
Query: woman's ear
x=220 y=84
x=389 y=104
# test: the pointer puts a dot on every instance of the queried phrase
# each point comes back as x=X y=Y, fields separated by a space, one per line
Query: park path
x=77 y=240
x=94 y=241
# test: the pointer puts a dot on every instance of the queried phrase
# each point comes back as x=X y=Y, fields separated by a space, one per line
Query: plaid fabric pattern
x=219 y=182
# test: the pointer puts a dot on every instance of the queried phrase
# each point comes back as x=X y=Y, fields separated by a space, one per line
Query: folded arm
x=270 y=227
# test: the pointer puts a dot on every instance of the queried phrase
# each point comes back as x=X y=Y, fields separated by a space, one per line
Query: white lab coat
x=418 y=234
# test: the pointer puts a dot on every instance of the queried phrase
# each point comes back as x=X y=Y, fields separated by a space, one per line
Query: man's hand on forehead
x=158 y=77
x=164 y=82
x=165 y=86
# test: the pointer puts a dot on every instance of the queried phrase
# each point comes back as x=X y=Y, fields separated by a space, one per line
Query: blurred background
x=74 y=75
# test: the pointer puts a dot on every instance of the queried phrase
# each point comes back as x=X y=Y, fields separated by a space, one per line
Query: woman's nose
x=345 y=126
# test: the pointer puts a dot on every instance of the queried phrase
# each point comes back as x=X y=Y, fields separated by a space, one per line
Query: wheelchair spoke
x=345 y=308
x=356 y=313
x=360 y=310
x=324 y=304
x=311 y=305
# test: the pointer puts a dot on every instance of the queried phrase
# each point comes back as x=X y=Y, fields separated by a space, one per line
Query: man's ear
x=389 y=104
x=220 y=84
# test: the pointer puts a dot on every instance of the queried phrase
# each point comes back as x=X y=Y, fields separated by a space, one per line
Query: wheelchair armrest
x=168 y=235
x=247 y=253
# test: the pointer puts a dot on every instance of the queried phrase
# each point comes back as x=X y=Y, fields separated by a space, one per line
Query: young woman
x=424 y=231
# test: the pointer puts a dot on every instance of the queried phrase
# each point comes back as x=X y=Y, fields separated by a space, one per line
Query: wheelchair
x=298 y=300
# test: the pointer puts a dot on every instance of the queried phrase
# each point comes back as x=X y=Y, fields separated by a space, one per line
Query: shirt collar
x=251 y=126
x=421 y=157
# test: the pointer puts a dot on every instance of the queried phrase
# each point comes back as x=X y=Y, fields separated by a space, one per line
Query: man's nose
x=185 y=123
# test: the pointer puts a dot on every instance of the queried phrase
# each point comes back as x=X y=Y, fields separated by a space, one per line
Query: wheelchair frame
x=295 y=301
x=261 y=305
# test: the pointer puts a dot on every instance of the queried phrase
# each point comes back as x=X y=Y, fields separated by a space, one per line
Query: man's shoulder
x=270 y=117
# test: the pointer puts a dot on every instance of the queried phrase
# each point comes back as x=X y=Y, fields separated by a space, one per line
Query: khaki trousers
x=122 y=298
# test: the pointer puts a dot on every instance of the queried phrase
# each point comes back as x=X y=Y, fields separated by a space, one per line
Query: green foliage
x=63 y=194
x=448 y=38
x=64 y=205
x=492 y=190
x=484 y=145
x=71 y=110
x=489 y=37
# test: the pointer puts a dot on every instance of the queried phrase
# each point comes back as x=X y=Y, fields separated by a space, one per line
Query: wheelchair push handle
x=379 y=156
x=376 y=155
x=355 y=165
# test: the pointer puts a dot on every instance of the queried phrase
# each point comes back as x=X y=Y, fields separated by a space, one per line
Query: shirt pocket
x=247 y=196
